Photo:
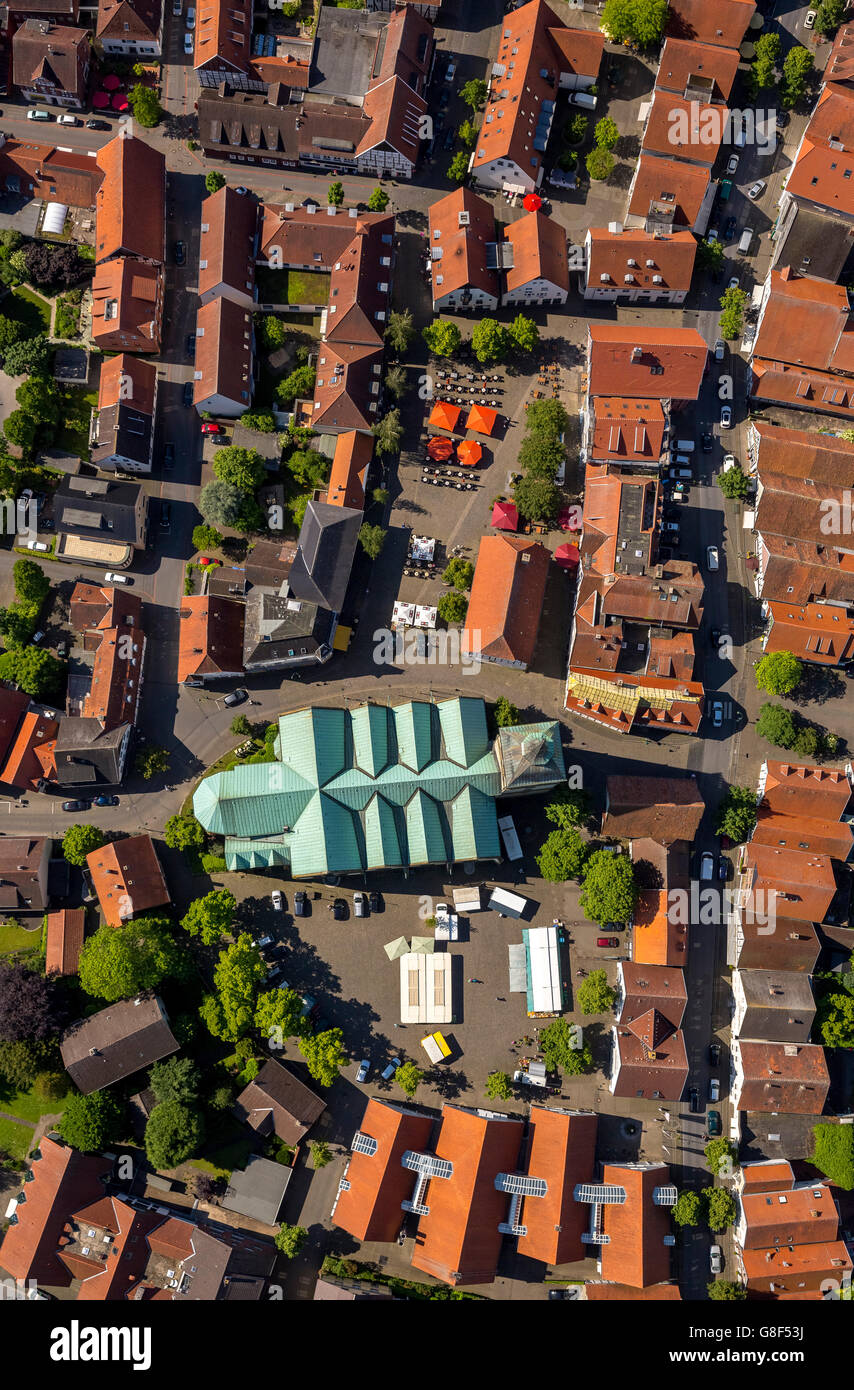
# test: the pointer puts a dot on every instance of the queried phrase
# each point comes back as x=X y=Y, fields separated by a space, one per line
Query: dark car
x=191 y=344
x=106 y=801
x=180 y=252
x=165 y=516
x=46 y=524
x=714 y=1054
x=75 y=805
x=301 y=903
x=694 y=1098
x=708 y=443
x=339 y=909
x=169 y=456
x=376 y=900
x=236 y=697
x=729 y=227
x=713 y=1121
x=450 y=137
x=98 y=125
x=723 y=869
x=715 y=636
x=444 y=98
x=188 y=393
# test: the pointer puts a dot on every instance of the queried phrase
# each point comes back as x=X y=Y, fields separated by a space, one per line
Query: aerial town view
x=427 y=659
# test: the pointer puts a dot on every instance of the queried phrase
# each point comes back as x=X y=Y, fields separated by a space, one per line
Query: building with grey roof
x=116 y=1042
x=327 y=543
x=258 y=1190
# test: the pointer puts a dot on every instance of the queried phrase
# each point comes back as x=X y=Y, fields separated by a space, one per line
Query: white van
x=512 y=847
x=685 y=446
x=39 y=116
x=112 y=577
x=746 y=240
x=587 y=99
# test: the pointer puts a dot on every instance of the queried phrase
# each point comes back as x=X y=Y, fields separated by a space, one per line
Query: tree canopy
x=562 y=855
x=506 y=713
x=173 y=1133
x=210 y=917
x=733 y=304
x=278 y=1015
x=779 y=673
x=474 y=92
x=324 y=1054
x=797 y=66
x=401 y=329
x=639 y=22
x=599 y=163
x=721 y=1157
x=719 y=1208
x=241 y=468
x=563 y=1047
x=594 y=995
x=379 y=199
x=777 y=724
x=80 y=841
x=725 y=1291
x=120 y=961
x=35 y=671
x=335 y=194
x=733 y=482
x=537 y=499
x=409 y=1078
x=442 y=338
x=371 y=539
x=499 y=1086
x=737 y=813
x=183 y=831
x=490 y=341
x=91 y=1123
x=609 y=891
x=833 y=1153
x=214 y=181
x=144 y=104
x=228 y=1012
x=176 y=1078
x=688 y=1209
x=31 y=1006
x=523 y=333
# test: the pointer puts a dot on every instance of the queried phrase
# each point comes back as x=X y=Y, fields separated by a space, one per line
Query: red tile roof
x=723 y=24
x=626 y=430
x=113 y=695
x=506 y=598
x=670 y=258
x=128 y=879
x=350 y=462
x=131 y=202
x=223 y=34
x=539 y=252
x=93 y=606
x=672 y=184
x=793 y=946
x=12 y=706
x=64 y=939
x=358 y=302
x=682 y=59
x=794 y=1271
x=129 y=379
x=463 y=261
x=396 y=114
x=681 y=129
x=62 y=1180
x=31 y=754
x=223 y=353
x=797 y=789
x=370 y=1209
x=792 y=1215
x=561 y=1151
x=801 y=387
x=656 y=939
x=803 y=881
x=829 y=837
x=816 y=632
x=343 y=393
x=518 y=93
x=663 y=808
x=767 y=1175
x=623 y=1293
x=806 y=321
x=824 y=458
x=646 y=361
x=227 y=245
x=54 y=54
x=127 y=305
x=210 y=637
x=129 y=19
x=825 y=156
x=458 y=1240
x=782 y=1078
x=316 y=239
x=635 y=1253
x=840 y=64
x=580 y=50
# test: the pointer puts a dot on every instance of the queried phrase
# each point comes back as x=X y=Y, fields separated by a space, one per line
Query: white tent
x=54 y=218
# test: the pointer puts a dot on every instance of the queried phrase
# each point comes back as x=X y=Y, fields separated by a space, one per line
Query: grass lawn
x=307 y=287
x=31 y=309
x=13 y=938
x=74 y=434
x=26 y=1105
x=15 y=1139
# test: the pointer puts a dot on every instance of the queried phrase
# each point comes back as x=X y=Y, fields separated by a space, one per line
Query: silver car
x=716 y=1259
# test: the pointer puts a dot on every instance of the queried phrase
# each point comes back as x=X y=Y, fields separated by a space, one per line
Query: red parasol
x=111 y=82
x=532 y=202
x=469 y=452
x=440 y=448
x=100 y=100
x=567 y=556
x=505 y=516
x=120 y=102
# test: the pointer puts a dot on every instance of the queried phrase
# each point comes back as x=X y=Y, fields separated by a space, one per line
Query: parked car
x=756 y=190
x=715 y=637
x=106 y=801
x=67 y=119
x=712 y=235
x=450 y=137
x=713 y=1124
x=717 y=714
x=360 y=905
x=191 y=344
x=714 y=1090
x=732 y=164
x=712 y=558
x=62 y=649
x=723 y=869
x=450 y=70
x=189 y=45
x=75 y=805
x=177 y=6
x=708 y=443
x=169 y=456
x=714 y=1054
x=364 y=1069
x=240 y=189
x=37 y=637
x=391 y=1069
x=277 y=900
x=98 y=125
x=608 y=941
x=809 y=19
x=734 y=282
x=117 y=577
x=236 y=697
x=444 y=98
x=707 y=866
x=729 y=228
x=210 y=428
x=720 y=349
x=37 y=545
x=726 y=416
x=376 y=901
x=694 y=1098
x=716 y=1259
x=180 y=252
x=165 y=515
x=36 y=115
x=339 y=909
x=188 y=393
x=190 y=21
x=301 y=903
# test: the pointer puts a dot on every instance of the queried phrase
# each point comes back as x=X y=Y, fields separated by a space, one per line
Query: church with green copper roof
x=378 y=787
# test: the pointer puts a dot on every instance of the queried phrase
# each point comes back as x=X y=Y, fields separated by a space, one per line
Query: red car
x=208 y=428
x=607 y=941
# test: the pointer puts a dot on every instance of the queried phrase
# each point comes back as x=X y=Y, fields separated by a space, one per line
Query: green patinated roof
x=376 y=787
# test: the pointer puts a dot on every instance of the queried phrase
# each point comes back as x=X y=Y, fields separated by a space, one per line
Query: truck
x=507 y=904
x=436 y=1047
x=532 y=1075
x=447 y=924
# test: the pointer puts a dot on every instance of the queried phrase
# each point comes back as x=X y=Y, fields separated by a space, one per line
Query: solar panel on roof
x=364 y=1144
x=599 y=1193
x=428 y=1165
x=521 y=1185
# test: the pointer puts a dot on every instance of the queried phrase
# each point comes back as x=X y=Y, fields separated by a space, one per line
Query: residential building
x=667 y=193
x=800 y=388
x=228 y=248
x=697 y=71
x=667 y=363
x=127 y=878
x=17 y=12
x=413 y=806
x=772 y=1006
x=64 y=939
x=224 y=354
x=308 y=237
x=689 y=130
x=90 y=757
x=242 y=126
x=788 y=1244
x=638 y=266
x=811 y=240
x=61 y=1179
x=347 y=389
x=650 y=1060
x=548 y=1215
x=32 y=170
x=350 y=464
x=840 y=65
x=327 y=543
x=791 y=946
x=664 y=809
x=132 y=28
x=819 y=180
x=116 y=1042
x=778 y=1077
x=50 y=63
x=210 y=639
x=98 y=608
x=223 y=43
x=127 y=224
x=24 y=863
x=815 y=632
x=802 y=454
x=122 y=433
x=723 y=25
x=258 y=1190
x=282 y=631
x=798 y=790
x=30 y=760
x=800 y=883
x=535 y=262
x=127 y=306
x=377 y=1180
x=506 y=600
x=276 y=1102
x=627 y=431
x=631 y=1209
x=462 y=227
x=102 y=508
x=805 y=321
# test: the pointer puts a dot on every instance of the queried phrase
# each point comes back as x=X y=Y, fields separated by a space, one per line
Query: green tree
x=836 y=1020
x=35 y=671
x=606 y=133
x=639 y=22
x=240 y=725
x=240 y=468
x=150 y=761
x=721 y=1157
x=524 y=333
x=145 y=106
x=263 y=420
x=562 y=1043
x=321 y=1154
x=79 y=841
x=829 y=16
x=568 y=807
x=499 y=1086
x=807 y=741
x=17 y=624
x=206 y=537
x=442 y=338
x=720 y=1208
x=578 y=127
x=710 y=255
x=21 y=429
x=289 y=1240
x=688 y=1209
x=229 y=1012
x=388 y=432
x=764 y=69
x=220 y=504
x=609 y=891
x=11 y=331
x=562 y=856
x=31 y=356
x=725 y=1291
x=733 y=305
x=91 y=1123
x=459 y=573
x=184 y=832
x=371 y=539
x=599 y=164
x=777 y=725
x=120 y=961
x=380 y=495
x=467 y=134
x=474 y=93
x=594 y=994
x=797 y=66
x=506 y=713
x=734 y=482
x=396 y=382
x=274 y=334
x=214 y=181
x=537 y=499
x=210 y=917
x=31 y=583
x=324 y=1054
x=401 y=329
x=541 y=454
x=379 y=200
x=409 y=1078
x=298 y=385
x=547 y=417
x=737 y=814
x=335 y=195
x=176 y=1078
x=490 y=341
x=278 y=1015
x=459 y=166
x=833 y=1153
x=173 y=1133
x=779 y=673
x=452 y=607
x=20 y=1063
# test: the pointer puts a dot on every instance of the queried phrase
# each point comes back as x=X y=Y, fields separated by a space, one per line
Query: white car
x=190 y=21
x=712 y=559
x=729 y=462
x=707 y=865
x=720 y=349
x=276 y=898
x=716 y=1259
x=726 y=416
x=37 y=545
x=809 y=19
x=756 y=190
x=188 y=43
x=712 y=235
x=67 y=119
x=714 y=1091
x=734 y=283
x=113 y=577
x=732 y=164
x=177 y=6
x=449 y=72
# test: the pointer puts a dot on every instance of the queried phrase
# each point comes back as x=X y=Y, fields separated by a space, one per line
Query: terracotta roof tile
x=723 y=24
x=350 y=462
x=223 y=354
x=93 y=606
x=801 y=387
x=798 y=789
x=343 y=393
x=681 y=129
x=462 y=264
x=128 y=878
x=823 y=458
x=770 y=1174
x=561 y=1151
x=517 y=95
x=816 y=632
x=803 y=881
x=782 y=1078
x=51 y=53
x=64 y=939
x=666 y=363
x=635 y=1253
x=539 y=252
x=127 y=378
x=806 y=321
x=672 y=257
x=31 y=754
x=62 y=1179
x=12 y=706
x=396 y=114
x=792 y=1215
x=663 y=809
x=223 y=34
x=683 y=59
x=840 y=64
x=210 y=637
x=674 y=184
x=127 y=305
x=131 y=202
x=129 y=19
x=227 y=246
x=580 y=50
x=113 y=696
x=506 y=599
x=370 y=1209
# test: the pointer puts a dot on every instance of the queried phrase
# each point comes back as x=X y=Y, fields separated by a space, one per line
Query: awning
x=518 y=969
x=396 y=948
x=54 y=218
x=423 y=945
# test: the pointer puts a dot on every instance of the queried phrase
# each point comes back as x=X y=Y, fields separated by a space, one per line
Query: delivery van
x=685 y=446
x=512 y=847
x=746 y=240
x=587 y=99
x=436 y=1047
